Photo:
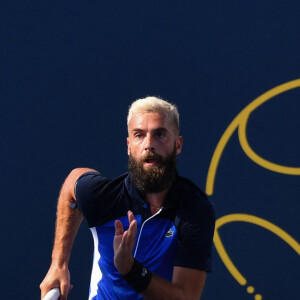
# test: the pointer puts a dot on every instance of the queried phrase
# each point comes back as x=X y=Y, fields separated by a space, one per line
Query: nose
x=149 y=143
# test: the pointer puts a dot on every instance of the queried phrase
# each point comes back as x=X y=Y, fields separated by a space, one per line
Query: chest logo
x=169 y=233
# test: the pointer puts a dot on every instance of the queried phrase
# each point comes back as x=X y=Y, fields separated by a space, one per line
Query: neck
x=156 y=200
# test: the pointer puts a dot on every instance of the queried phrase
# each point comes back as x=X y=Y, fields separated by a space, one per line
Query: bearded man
x=152 y=228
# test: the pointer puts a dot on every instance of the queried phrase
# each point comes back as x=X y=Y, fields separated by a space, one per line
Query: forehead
x=150 y=121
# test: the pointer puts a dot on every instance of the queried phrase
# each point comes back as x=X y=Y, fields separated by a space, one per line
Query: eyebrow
x=161 y=129
x=137 y=130
x=155 y=130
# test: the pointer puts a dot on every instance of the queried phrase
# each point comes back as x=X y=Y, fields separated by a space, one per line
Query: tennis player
x=152 y=228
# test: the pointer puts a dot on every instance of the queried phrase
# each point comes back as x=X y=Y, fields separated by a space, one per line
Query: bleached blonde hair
x=154 y=104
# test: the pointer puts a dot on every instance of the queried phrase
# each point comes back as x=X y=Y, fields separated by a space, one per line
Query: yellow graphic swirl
x=240 y=122
x=256 y=221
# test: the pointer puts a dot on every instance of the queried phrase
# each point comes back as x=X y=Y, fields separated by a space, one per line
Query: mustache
x=152 y=155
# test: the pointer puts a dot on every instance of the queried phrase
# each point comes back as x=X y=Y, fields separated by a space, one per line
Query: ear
x=178 y=143
x=128 y=148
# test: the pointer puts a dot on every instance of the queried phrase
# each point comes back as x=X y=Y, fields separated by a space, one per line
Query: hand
x=123 y=244
x=57 y=277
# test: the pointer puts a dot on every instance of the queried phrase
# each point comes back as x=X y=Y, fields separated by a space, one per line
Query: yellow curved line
x=270 y=94
x=218 y=153
x=227 y=261
x=258 y=159
x=241 y=121
x=243 y=125
x=256 y=221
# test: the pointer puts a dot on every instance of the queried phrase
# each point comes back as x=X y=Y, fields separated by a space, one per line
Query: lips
x=151 y=160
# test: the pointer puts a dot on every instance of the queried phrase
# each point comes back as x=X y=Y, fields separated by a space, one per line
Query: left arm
x=186 y=284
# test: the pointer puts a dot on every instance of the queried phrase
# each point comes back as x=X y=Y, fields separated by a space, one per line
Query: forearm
x=160 y=289
x=67 y=224
x=150 y=286
x=187 y=284
x=68 y=220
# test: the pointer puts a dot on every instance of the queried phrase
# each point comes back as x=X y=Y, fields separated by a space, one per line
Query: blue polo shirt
x=180 y=234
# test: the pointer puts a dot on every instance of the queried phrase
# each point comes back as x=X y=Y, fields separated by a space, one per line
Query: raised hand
x=123 y=244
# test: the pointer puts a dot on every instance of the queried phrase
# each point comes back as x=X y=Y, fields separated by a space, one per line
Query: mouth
x=151 y=161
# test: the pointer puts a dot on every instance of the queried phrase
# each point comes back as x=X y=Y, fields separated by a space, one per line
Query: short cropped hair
x=154 y=104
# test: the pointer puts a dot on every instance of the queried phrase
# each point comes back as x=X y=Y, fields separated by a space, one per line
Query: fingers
x=118 y=228
x=130 y=216
x=45 y=288
x=57 y=277
x=124 y=243
x=64 y=291
x=127 y=238
x=132 y=234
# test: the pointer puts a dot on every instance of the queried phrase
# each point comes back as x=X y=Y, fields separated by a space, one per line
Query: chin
x=148 y=167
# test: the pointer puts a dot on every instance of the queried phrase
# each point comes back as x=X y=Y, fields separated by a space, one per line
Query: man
x=152 y=229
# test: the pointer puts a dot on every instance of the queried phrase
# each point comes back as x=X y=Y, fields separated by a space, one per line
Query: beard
x=153 y=179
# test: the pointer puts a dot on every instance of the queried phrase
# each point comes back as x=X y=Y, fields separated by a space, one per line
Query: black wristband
x=139 y=277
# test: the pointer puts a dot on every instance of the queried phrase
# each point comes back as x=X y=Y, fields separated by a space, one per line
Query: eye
x=161 y=134
x=138 y=135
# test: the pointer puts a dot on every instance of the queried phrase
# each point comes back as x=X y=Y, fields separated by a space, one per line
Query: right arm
x=68 y=221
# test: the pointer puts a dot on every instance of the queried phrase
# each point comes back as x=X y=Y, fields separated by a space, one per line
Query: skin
x=147 y=131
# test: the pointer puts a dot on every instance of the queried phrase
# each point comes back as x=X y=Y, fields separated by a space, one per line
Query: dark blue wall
x=69 y=70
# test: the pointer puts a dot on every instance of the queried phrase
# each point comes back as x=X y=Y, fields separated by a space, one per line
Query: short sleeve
x=196 y=230
x=87 y=191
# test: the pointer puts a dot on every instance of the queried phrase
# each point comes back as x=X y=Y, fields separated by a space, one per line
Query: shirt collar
x=172 y=197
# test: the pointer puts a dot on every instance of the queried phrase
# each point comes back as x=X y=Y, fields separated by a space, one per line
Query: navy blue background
x=69 y=71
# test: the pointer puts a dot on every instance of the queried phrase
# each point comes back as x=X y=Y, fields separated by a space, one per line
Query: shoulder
x=192 y=197
x=189 y=186
x=93 y=182
x=96 y=195
x=194 y=208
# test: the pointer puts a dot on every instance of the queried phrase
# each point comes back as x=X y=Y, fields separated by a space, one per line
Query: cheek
x=133 y=150
x=136 y=145
x=132 y=147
